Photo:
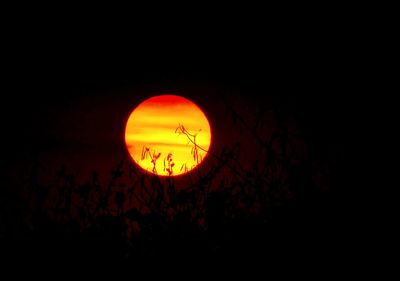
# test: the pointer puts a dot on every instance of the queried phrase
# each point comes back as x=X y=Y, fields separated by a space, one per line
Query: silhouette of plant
x=192 y=138
x=169 y=164
x=153 y=157
x=140 y=209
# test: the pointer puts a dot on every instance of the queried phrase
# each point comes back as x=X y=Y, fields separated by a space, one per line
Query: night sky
x=69 y=95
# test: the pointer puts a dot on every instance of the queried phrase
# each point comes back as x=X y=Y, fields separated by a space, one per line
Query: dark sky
x=91 y=70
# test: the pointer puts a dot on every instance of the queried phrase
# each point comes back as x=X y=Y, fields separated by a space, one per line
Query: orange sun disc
x=168 y=135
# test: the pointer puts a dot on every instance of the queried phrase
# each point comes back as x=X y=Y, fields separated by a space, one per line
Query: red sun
x=168 y=135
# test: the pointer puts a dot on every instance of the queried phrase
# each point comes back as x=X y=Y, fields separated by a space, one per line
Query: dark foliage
x=274 y=210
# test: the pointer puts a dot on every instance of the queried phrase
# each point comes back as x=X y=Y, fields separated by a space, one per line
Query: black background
x=313 y=64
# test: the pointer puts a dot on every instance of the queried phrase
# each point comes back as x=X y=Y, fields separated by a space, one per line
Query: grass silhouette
x=224 y=209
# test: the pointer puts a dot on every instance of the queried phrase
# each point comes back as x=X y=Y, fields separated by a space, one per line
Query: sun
x=167 y=135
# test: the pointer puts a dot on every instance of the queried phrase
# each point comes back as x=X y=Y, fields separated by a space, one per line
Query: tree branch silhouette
x=192 y=138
